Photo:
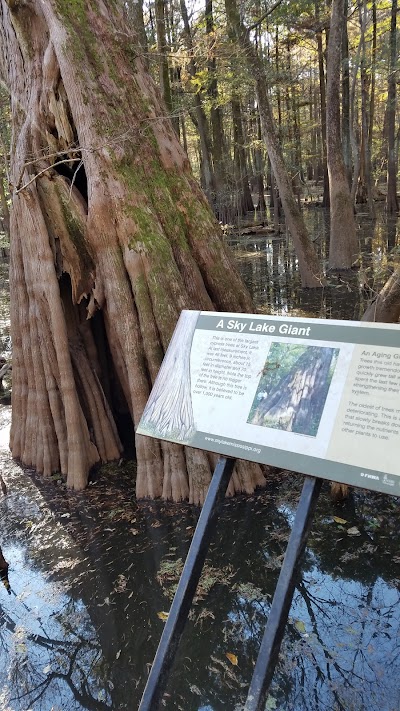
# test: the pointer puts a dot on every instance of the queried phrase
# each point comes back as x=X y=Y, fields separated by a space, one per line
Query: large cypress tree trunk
x=111 y=238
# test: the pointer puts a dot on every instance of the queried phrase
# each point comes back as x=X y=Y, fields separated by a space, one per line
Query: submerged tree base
x=111 y=239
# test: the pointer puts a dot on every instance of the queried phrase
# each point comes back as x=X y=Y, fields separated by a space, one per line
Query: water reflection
x=269 y=267
x=81 y=625
x=51 y=655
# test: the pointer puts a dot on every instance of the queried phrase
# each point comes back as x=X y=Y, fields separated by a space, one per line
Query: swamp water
x=92 y=574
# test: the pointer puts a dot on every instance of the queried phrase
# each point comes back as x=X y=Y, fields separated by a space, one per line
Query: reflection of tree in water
x=292 y=391
x=341 y=643
x=346 y=613
x=51 y=654
x=61 y=659
x=339 y=656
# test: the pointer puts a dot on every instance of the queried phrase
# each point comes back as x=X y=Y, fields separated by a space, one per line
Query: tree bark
x=244 y=201
x=115 y=243
x=365 y=183
x=373 y=78
x=134 y=10
x=4 y=207
x=220 y=154
x=259 y=168
x=385 y=307
x=343 y=246
x=346 y=98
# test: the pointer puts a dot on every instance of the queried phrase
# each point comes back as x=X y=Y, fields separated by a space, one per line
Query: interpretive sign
x=313 y=396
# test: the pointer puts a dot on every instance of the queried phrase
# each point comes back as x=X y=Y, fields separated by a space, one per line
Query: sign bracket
x=190 y=576
x=187 y=585
x=282 y=600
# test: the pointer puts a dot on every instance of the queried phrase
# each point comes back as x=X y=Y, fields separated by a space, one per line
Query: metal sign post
x=187 y=585
x=189 y=579
x=275 y=629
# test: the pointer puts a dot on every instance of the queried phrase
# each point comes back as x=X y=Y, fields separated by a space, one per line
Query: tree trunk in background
x=343 y=246
x=200 y=119
x=259 y=167
x=392 y=203
x=365 y=183
x=373 y=79
x=354 y=138
x=162 y=50
x=293 y=111
x=278 y=89
x=309 y=267
x=220 y=154
x=346 y=98
x=322 y=93
x=243 y=199
x=106 y=248
x=135 y=15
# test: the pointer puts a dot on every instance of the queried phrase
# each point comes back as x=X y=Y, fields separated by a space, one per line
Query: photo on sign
x=293 y=388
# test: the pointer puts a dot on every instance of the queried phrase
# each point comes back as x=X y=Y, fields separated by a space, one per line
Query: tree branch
x=67 y=160
x=266 y=14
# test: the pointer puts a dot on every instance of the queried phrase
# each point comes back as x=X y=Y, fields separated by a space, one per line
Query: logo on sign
x=375 y=477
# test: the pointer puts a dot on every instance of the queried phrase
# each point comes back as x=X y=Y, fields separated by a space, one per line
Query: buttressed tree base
x=111 y=239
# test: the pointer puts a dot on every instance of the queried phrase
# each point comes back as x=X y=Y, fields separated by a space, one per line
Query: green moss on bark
x=82 y=40
x=174 y=208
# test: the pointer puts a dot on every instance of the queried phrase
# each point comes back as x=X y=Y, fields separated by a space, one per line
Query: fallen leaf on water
x=339 y=520
x=117 y=656
x=353 y=531
x=195 y=689
x=162 y=615
x=300 y=626
x=232 y=658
